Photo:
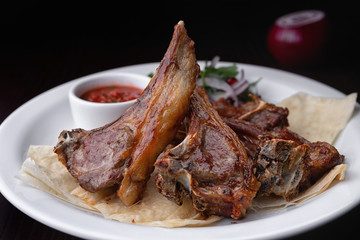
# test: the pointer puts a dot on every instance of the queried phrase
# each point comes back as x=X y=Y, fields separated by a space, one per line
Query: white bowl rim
x=95 y=77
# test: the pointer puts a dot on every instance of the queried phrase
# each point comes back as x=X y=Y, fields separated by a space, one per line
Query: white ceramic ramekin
x=89 y=115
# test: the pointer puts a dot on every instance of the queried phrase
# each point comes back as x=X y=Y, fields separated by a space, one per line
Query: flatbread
x=317 y=118
x=42 y=170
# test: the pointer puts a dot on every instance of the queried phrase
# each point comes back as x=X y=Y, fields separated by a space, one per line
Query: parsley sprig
x=225 y=73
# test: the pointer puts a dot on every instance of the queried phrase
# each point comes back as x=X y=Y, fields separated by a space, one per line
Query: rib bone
x=124 y=151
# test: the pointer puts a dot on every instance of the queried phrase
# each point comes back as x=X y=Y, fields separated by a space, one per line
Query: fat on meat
x=286 y=163
x=210 y=165
x=123 y=152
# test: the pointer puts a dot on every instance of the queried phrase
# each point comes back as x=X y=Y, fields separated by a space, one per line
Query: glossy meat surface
x=124 y=151
x=210 y=165
x=265 y=115
x=286 y=163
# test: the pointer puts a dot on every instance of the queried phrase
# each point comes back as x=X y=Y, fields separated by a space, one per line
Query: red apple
x=298 y=38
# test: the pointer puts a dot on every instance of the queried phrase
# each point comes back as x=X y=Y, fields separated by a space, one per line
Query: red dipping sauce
x=112 y=94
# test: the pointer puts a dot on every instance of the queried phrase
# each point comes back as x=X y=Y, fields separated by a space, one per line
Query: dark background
x=46 y=43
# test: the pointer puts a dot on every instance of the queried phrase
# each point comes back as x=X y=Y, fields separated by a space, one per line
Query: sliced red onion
x=240 y=87
x=221 y=88
x=239 y=83
x=214 y=61
x=226 y=91
x=242 y=75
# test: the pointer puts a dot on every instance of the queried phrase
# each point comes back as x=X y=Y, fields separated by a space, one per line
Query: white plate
x=40 y=121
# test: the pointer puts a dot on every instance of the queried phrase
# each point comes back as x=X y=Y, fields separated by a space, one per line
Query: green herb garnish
x=222 y=73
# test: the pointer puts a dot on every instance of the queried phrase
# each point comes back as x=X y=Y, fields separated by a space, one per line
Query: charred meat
x=124 y=151
x=210 y=166
x=286 y=163
x=265 y=115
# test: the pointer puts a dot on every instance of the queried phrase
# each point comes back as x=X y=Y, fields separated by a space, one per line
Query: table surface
x=46 y=44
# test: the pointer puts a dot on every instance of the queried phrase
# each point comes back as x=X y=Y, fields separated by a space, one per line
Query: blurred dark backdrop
x=55 y=41
x=46 y=43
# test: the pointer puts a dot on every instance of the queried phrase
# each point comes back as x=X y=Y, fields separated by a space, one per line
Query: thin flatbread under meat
x=42 y=170
x=318 y=118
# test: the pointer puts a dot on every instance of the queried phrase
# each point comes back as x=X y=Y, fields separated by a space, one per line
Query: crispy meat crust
x=124 y=151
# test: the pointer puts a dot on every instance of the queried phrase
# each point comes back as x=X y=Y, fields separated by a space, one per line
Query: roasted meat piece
x=286 y=163
x=265 y=115
x=252 y=119
x=124 y=151
x=210 y=165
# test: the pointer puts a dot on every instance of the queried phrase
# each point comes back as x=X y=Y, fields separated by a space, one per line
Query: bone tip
x=181 y=23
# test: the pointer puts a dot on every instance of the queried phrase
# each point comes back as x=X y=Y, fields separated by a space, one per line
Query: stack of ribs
x=285 y=162
x=123 y=152
x=210 y=165
x=226 y=157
